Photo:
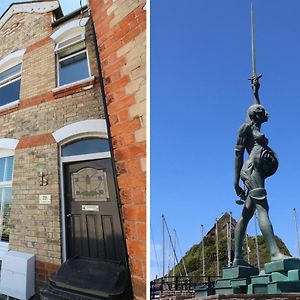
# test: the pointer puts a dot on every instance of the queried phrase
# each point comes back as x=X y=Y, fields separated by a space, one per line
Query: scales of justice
x=282 y=274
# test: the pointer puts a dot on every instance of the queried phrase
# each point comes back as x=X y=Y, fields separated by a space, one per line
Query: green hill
x=193 y=258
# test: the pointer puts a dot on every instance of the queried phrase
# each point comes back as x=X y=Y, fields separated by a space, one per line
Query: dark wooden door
x=92 y=215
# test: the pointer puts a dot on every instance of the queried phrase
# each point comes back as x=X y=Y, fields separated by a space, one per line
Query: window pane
x=10 y=92
x=73 y=69
x=85 y=147
x=10 y=72
x=2 y=164
x=9 y=168
x=6 y=200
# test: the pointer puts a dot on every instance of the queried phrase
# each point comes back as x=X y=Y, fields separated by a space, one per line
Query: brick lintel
x=36 y=140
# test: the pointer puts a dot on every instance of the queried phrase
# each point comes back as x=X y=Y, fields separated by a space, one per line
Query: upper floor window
x=10 y=78
x=71 y=52
x=10 y=84
x=72 y=60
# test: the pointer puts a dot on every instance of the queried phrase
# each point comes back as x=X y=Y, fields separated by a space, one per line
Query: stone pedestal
x=282 y=276
x=235 y=280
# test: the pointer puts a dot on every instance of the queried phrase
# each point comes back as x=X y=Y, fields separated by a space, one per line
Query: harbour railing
x=179 y=285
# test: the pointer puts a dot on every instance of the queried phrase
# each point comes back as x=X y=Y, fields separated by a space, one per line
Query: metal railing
x=179 y=285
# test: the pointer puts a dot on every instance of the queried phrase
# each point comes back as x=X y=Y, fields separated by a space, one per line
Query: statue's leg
x=267 y=229
x=240 y=231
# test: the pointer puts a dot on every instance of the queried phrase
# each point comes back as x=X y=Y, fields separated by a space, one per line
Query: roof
x=40 y=6
x=69 y=16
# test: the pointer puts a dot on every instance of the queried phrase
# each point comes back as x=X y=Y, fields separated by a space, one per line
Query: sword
x=254 y=78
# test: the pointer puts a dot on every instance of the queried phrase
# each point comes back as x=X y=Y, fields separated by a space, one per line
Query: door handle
x=69 y=215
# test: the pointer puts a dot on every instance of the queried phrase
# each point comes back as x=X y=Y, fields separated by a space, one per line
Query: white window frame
x=5 y=184
x=58 y=60
x=7 y=148
x=58 y=48
x=10 y=61
x=68 y=31
x=10 y=80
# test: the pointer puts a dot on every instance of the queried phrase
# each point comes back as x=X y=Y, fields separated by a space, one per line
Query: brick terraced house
x=72 y=111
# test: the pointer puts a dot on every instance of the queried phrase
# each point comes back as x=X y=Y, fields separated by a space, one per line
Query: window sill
x=3 y=249
x=9 y=106
x=74 y=86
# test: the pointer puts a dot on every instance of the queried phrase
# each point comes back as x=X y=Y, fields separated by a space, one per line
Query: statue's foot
x=241 y=262
x=279 y=256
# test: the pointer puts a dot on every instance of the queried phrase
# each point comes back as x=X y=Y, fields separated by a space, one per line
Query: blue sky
x=200 y=62
x=66 y=5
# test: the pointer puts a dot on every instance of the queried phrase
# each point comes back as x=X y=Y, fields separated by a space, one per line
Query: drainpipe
x=109 y=136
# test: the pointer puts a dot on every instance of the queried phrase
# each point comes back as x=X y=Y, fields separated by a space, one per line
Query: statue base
x=282 y=276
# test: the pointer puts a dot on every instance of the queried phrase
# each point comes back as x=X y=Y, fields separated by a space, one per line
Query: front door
x=93 y=227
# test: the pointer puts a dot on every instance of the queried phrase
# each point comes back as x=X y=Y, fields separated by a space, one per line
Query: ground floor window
x=6 y=175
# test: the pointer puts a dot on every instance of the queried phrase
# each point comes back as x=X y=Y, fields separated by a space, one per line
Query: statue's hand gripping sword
x=254 y=78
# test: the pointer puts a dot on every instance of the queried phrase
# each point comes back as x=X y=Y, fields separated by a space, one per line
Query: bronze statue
x=262 y=163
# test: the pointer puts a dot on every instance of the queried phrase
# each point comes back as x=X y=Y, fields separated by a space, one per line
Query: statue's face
x=258 y=113
x=261 y=114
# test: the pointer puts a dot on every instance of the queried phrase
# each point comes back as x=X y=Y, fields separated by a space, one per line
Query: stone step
x=257 y=288
x=239 y=282
x=283 y=265
x=279 y=276
x=284 y=287
x=239 y=272
x=261 y=279
x=230 y=290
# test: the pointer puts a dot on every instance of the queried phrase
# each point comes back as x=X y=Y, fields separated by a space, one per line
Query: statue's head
x=257 y=113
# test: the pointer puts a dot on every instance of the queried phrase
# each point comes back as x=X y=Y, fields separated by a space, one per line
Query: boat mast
x=202 y=244
x=230 y=236
x=248 y=250
x=256 y=242
x=228 y=249
x=217 y=248
x=297 y=233
x=163 y=245
x=174 y=243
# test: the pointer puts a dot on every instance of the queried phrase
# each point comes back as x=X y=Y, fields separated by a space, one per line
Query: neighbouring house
x=72 y=140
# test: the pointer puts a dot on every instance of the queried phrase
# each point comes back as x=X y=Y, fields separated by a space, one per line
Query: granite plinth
x=204 y=291
x=223 y=283
x=257 y=288
x=282 y=265
x=279 y=276
x=230 y=290
x=239 y=272
x=284 y=287
x=294 y=275
x=239 y=282
x=261 y=279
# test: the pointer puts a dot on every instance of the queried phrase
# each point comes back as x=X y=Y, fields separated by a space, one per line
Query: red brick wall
x=120 y=27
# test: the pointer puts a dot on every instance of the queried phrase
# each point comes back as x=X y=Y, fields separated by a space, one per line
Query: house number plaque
x=44 y=199
x=90 y=207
